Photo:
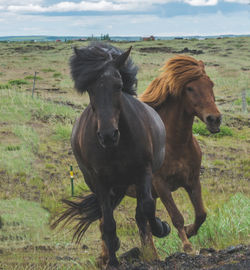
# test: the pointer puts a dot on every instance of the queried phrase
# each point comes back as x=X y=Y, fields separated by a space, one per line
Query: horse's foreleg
x=146 y=206
x=177 y=219
x=147 y=243
x=115 y=200
x=194 y=193
x=103 y=259
x=108 y=230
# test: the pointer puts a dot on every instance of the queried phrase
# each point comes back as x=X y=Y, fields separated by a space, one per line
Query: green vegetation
x=5 y=86
x=57 y=75
x=35 y=154
x=48 y=70
x=199 y=128
x=23 y=221
x=63 y=131
x=31 y=77
x=18 y=82
x=239 y=101
x=228 y=224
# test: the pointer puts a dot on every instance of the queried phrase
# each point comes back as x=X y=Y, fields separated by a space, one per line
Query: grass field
x=35 y=152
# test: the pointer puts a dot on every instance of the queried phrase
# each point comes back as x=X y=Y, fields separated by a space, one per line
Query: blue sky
x=124 y=17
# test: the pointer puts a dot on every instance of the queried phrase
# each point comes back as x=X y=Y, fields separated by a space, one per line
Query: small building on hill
x=148 y=38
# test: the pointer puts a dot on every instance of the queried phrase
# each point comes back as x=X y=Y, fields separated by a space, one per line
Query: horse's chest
x=124 y=173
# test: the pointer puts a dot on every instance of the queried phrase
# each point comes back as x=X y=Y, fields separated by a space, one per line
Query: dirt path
x=232 y=258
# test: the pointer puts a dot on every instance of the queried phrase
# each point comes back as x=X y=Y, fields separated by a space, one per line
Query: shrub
x=18 y=82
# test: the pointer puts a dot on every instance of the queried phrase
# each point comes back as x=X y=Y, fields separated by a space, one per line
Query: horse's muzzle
x=109 y=138
x=213 y=123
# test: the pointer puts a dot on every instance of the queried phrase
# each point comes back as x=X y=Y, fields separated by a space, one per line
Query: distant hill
x=113 y=38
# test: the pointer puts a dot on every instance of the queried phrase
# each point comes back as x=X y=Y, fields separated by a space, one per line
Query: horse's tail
x=83 y=210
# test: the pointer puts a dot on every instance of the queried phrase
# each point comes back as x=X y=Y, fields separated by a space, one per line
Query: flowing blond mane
x=177 y=72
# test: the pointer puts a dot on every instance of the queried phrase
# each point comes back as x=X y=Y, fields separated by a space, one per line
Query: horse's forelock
x=87 y=63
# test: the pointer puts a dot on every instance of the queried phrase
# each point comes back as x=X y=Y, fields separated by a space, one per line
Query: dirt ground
x=232 y=258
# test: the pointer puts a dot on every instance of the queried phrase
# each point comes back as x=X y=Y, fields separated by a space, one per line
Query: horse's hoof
x=165 y=228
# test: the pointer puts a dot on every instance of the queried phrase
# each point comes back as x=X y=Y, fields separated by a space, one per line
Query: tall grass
x=23 y=222
x=228 y=224
x=17 y=106
x=21 y=157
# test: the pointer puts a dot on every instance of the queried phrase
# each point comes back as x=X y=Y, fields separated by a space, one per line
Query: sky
x=124 y=17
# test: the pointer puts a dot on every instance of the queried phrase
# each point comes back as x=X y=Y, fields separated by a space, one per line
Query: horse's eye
x=190 y=89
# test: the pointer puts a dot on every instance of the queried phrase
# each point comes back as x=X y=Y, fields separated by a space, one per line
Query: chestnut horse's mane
x=177 y=72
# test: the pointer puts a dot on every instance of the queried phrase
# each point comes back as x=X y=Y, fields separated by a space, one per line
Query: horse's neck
x=177 y=121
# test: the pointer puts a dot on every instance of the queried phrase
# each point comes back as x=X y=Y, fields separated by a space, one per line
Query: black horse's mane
x=89 y=62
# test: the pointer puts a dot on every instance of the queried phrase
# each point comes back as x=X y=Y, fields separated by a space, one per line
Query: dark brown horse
x=117 y=141
x=181 y=92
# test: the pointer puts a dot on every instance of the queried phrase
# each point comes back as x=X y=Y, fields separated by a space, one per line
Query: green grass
x=4 y=86
x=48 y=70
x=57 y=75
x=31 y=77
x=19 y=158
x=200 y=128
x=228 y=224
x=18 y=82
x=23 y=222
x=17 y=106
x=62 y=131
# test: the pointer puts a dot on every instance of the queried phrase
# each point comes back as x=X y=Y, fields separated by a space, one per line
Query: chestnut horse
x=117 y=141
x=182 y=91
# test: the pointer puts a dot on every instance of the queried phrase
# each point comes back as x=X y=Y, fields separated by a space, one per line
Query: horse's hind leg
x=194 y=193
x=178 y=221
x=146 y=205
x=147 y=243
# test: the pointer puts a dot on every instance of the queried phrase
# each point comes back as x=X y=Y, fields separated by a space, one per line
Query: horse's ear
x=121 y=59
x=201 y=64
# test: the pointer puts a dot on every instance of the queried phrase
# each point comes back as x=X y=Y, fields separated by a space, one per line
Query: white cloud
x=238 y=1
x=38 y=6
x=201 y=2
x=102 y=5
